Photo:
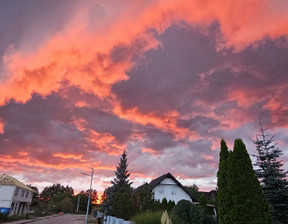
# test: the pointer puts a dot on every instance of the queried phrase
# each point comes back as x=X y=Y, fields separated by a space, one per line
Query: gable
x=169 y=180
x=7 y=180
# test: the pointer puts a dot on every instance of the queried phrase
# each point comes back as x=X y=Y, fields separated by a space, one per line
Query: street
x=60 y=219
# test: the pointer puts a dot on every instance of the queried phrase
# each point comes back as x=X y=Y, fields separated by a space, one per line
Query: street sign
x=4 y=210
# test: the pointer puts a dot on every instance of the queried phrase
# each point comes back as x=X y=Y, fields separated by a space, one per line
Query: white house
x=167 y=186
x=15 y=197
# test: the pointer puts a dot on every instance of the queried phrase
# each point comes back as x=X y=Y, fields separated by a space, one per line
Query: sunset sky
x=165 y=80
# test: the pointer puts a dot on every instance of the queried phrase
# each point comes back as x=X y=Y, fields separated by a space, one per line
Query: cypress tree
x=248 y=204
x=222 y=197
x=272 y=176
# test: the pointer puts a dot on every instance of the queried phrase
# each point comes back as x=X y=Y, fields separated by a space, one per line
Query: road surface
x=59 y=219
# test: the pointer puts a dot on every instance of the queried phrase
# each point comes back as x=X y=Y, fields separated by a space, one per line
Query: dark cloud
x=169 y=78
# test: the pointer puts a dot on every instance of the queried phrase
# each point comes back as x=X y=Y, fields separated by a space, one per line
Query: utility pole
x=89 y=193
x=77 y=210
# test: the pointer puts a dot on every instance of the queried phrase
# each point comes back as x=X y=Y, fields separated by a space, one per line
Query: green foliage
x=164 y=204
x=61 y=202
x=187 y=213
x=194 y=190
x=121 y=181
x=143 y=200
x=152 y=217
x=83 y=200
x=50 y=191
x=272 y=176
x=182 y=210
x=203 y=204
x=120 y=185
x=209 y=219
x=223 y=195
x=197 y=215
x=66 y=205
x=122 y=204
x=245 y=193
x=170 y=206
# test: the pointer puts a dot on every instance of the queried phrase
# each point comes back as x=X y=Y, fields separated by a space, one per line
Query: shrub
x=209 y=219
x=148 y=218
x=182 y=211
x=186 y=212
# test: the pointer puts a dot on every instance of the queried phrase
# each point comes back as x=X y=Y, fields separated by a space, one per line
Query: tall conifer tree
x=119 y=195
x=121 y=181
x=272 y=176
x=248 y=202
x=222 y=197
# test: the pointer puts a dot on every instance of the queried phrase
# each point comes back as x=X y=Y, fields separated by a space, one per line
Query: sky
x=165 y=80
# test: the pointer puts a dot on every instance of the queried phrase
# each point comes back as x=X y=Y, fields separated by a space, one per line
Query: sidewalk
x=32 y=219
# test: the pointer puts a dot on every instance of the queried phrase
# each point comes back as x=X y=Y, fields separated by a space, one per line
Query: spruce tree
x=222 y=197
x=272 y=176
x=121 y=181
x=248 y=204
x=119 y=198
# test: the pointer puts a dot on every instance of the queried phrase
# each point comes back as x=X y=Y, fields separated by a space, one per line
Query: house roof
x=158 y=180
x=11 y=181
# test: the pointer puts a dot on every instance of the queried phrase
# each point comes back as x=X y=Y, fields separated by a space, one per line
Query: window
x=27 y=192
x=22 y=194
x=17 y=190
x=161 y=190
x=174 y=190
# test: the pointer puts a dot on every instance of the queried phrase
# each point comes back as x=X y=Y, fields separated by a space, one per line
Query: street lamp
x=87 y=211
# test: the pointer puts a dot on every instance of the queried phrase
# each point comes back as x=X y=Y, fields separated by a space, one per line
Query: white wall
x=6 y=195
x=168 y=189
x=23 y=195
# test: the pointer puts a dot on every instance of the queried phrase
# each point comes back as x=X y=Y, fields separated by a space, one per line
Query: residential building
x=167 y=186
x=15 y=197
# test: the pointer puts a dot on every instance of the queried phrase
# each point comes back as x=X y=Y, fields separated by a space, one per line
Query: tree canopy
x=49 y=192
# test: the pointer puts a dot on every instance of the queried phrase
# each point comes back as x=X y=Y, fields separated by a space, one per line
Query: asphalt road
x=60 y=219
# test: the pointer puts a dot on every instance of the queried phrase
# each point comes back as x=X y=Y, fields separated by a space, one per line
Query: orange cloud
x=1 y=126
x=166 y=122
x=81 y=54
x=105 y=142
x=64 y=163
x=68 y=156
x=151 y=151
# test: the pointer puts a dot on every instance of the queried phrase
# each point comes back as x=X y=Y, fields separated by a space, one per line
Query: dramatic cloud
x=80 y=82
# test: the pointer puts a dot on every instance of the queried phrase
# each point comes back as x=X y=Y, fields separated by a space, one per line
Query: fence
x=111 y=219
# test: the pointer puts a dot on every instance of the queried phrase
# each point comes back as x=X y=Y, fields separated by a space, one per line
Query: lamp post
x=87 y=211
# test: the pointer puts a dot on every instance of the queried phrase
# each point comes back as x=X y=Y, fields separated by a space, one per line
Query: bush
x=186 y=212
x=148 y=218
x=209 y=219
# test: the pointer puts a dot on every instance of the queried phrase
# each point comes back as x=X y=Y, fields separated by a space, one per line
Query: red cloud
x=81 y=54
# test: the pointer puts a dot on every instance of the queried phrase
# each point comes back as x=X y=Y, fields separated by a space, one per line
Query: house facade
x=167 y=186
x=15 y=197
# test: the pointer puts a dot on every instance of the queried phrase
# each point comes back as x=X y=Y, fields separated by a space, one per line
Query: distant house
x=15 y=197
x=167 y=186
